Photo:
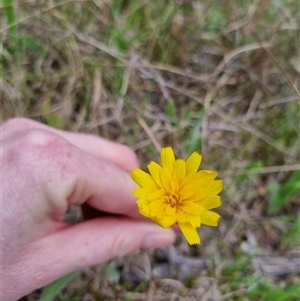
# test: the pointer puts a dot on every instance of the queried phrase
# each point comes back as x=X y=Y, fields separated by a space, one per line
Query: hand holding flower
x=46 y=170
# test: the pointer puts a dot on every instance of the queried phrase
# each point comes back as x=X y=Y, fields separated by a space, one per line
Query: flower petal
x=174 y=185
x=190 y=233
x=205 y=179
x=189 y=190
x=154 y=170
x=142 y=192
x=193 y=162
x=157 y=194
x=194 y=220
x=191 y=178
x=170 y=211
x=143 y=207
x=167 y=158
x=211 y=202
x=143 y=179
x=190 y=198
x=166 y=178
x=157 y=206
x=209 y=189
x=181 y=216
x=179 y=169
x=217 y=187
x=191 y=207
x=166 y=222
x=206 y=173
x=210 y=218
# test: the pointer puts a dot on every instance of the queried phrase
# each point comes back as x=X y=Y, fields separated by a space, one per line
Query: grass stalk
x=10 y=13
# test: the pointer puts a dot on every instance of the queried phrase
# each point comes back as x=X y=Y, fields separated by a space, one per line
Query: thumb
x=91 y=242
x=98 y=240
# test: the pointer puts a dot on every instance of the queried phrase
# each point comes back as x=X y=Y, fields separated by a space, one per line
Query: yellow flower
x=176 y=192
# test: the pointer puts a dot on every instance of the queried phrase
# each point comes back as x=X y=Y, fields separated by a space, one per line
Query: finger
x=106 y=238
x=90 y=243
x=116 y=153
x=67 y=175
x=102 y=185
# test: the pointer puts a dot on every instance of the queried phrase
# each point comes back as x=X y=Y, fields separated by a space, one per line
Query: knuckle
x=16 y=124
x=40 y=139
x=45 y=146
x=38 y=162
x=38 y=149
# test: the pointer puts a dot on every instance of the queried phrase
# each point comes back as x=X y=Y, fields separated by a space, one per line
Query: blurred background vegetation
x=219 y=77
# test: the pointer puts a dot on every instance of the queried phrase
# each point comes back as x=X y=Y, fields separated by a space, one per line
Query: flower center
x=173 y=199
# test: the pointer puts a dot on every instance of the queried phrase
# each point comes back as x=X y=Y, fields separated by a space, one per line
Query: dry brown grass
x=221 y=77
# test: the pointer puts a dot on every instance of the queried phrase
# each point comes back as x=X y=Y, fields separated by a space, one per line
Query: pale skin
x=45 y=170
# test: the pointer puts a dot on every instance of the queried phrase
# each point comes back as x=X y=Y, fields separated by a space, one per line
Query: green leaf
x=11 y=17
x=51 y=290
x=171 y=112
x=188 y=115
x=290 y=294
x=29 y=43
x=281 y=194
x=114 y=273
x=55 y=121
x=247 y=173
x=294 y=235
x=194 y=139
x=10 y=13
x=214 y=20
x=270 y=292
x=273 y=189
x=121 y=41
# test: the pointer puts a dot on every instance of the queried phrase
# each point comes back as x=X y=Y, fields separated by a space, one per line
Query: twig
x=279 y=101
x=251 y=129
x=282 y=70
x=266 y=169
x=148 y=131
x=229 y=56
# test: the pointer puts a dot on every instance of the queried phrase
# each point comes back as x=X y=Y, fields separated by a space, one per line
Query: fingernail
x=159 y=239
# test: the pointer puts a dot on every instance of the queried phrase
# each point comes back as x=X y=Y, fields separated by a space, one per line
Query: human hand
x=43 y=172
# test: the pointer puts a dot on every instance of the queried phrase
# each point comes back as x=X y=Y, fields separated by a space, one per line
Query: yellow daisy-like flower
x=176 y=192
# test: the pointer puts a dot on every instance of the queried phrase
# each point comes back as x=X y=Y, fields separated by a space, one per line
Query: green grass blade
x=10 y=13
x=11 y=17
x=281 y=194
x=195 y=137
x=171 y=112
x=51 y=290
